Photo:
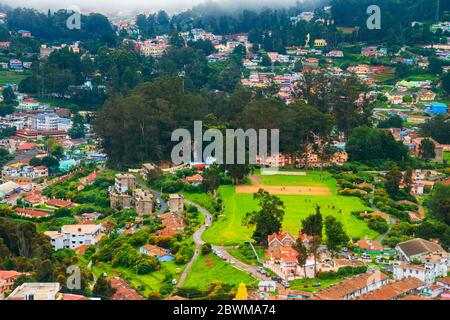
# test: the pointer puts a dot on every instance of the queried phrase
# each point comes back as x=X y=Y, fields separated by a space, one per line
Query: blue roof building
x=436 y=108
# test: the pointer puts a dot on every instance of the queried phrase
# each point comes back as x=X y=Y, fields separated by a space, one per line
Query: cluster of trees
x=119 y=252
x=437 y=128
x=368 y=144
x=52 y=26
x=136 y=127
x=23 y=249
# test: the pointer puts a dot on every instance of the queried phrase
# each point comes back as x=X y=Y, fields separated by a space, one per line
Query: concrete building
x=37 y=291
x=143 y=202
x=45 y=121
x=73 y=236
x=124 y=182
x=176 y=203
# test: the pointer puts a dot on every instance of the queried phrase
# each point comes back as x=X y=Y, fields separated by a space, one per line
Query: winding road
x=197 y=237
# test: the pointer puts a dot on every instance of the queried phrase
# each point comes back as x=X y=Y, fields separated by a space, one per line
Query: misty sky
x=132 y=5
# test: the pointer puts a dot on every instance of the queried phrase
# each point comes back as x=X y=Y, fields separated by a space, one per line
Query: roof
x=123 y=290
x=154 y=250
x=9 y=274
x=58 y=203
x=369 y=245
x=419 y=246
x=27 y=146
x=80 y=228
x=340 y=290
x=72 y=297
x=34 y=213
x=9 y=187
x=392 y=290
x=445 y=280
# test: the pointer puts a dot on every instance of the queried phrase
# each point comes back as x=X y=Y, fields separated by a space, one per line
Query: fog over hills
x=172 y=6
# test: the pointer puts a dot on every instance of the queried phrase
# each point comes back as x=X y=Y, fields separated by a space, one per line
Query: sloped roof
x=419 y=246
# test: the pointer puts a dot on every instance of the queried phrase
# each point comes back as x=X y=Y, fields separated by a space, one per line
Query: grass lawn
x=203 y=199
x=447 y=156
x=11 y=77
x=306 y=284
x=145 y=284
x=208 y=268
x=228 y=229
x=240 y=254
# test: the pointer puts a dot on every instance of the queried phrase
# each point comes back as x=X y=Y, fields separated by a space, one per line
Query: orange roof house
x=59 y=203
x=369 y=245
x=123 y=290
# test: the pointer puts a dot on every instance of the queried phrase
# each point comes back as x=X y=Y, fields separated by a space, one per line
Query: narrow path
x=197 y=237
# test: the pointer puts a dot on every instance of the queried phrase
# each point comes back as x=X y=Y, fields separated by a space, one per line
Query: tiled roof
x=340 y=290
x=392 y=290
x=124 y=291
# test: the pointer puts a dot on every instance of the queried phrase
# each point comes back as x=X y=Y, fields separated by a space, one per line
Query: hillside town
x=356 y=209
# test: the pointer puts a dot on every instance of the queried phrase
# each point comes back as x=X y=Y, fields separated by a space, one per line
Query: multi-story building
x=143 y=202
x=7 y=279
x=124 y=182
x=73 y=236
x=45 y=121
x=176 y=203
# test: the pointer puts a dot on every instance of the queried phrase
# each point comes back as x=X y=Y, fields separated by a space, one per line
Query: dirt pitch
x=305 y=190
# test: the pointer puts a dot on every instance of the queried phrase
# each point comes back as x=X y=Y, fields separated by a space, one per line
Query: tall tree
x=302 y=251
x=268 y=219
x=427 y=150
x=312 y=226
x=211 y=179
x=336 y=236
x=439 y=203
x=408 y=180
x=393 y=180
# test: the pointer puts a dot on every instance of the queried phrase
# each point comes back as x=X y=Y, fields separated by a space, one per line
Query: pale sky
x=134 y=5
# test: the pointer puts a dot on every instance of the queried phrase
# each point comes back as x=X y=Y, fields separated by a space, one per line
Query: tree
x=393 y=122
x=427 y=150
x=302 y=251
x=55 y=148
x=408 y=180
x=34 y=162
x=205 y=248
x=51 y=163
x=439 y=203
x=435 y=65
x=78 y=130
x=268 y=219
x=211 y=179
x=8 y=95
x=446 y=82
x=393 y=179
x=336 y=236
x=312 y=226
x=368 y=144
x=437 y=128
x=103 y=288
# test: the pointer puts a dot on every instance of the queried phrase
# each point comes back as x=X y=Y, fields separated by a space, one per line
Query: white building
x=73 y=236
x=45 y=121
x=36 y=291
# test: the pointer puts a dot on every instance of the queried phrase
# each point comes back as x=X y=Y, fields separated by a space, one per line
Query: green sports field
x=228 y=229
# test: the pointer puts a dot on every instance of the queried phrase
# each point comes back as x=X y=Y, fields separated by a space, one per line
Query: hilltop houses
x=125 y=195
